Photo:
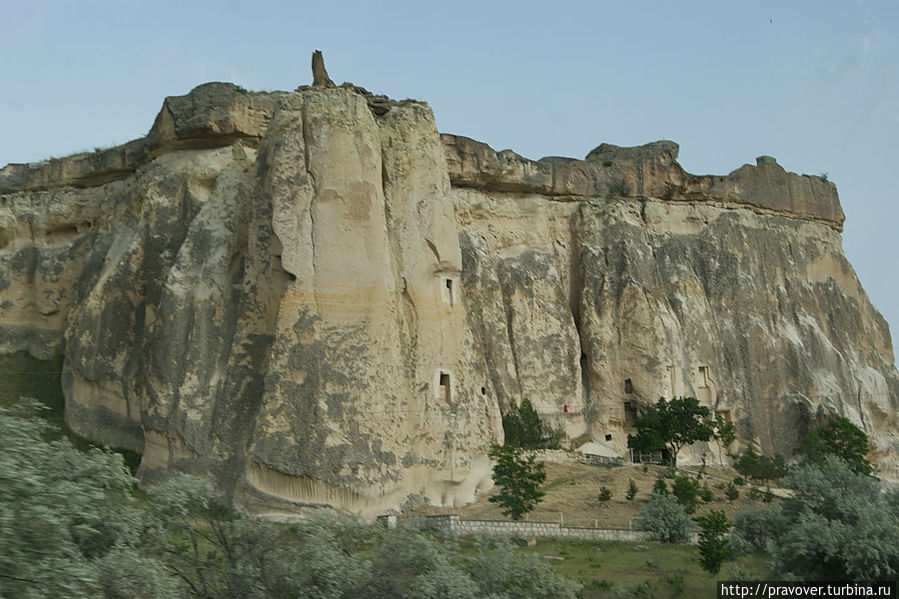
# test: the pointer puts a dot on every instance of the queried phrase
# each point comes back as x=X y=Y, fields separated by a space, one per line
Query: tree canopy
x=74 y=524
x=522 y=426
x=671 y=425
x=841 y=438
x=519 y=478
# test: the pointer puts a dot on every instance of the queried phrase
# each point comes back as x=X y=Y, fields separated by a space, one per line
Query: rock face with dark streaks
x=313 y=299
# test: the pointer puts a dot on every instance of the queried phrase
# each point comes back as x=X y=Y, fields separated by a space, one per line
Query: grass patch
x=607 y=568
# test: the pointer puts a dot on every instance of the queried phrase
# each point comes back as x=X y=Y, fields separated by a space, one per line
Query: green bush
x=660 y=487
x=631 y=490
x=705 y=493
x=605 y=493
x=686 y=490
x=761 y=467
x=837 y=525
x=759 y=527
x=739 y=481
x=841 y=438
x=81 y=529
x=731 y=492
x=665 y=519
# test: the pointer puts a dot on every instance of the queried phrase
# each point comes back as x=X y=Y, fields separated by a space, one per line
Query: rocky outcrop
x=649 y=171
x=315 y=298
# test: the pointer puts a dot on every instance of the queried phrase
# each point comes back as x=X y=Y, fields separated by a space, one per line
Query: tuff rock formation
x=315 y=298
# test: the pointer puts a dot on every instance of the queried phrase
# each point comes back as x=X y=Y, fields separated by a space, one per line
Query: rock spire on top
x=319 y=74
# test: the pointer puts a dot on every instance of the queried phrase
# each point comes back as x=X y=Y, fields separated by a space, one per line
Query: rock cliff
x=315 y=298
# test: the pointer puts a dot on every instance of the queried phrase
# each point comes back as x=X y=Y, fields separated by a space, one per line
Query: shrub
x=686 y=491
x=838 y=526
x=739 y=481
x=665 y=519
x=605 y=493
x=631 y=490
x=759 y=527
x=619 y=187
x=705 y=493
x=731 y=492
x=660 y=487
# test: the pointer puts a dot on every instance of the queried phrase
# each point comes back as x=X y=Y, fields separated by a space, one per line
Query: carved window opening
x=445 y=391
x=608 y=437
x=630 y=413
x=483 y=390
x=448 y=291
x=704 y=387
x=628 y=386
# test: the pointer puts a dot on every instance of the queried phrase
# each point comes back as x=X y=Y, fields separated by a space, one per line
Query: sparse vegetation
x=605 y=494
x=619 y=187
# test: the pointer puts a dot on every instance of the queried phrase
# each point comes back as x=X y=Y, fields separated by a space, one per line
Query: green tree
x=70 y=523
x=725 y=434
x=714 y=546
x=686 y=491
x=841 y=438
x=522 y=426
x=631 y=490
x=671 y=425
x=761 y=467
x=666 y=519
x=519 y=478
x=659 y=487
x=731 y=492
x=837 y=525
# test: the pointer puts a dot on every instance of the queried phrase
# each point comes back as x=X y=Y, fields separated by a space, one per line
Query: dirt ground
x=572 y=490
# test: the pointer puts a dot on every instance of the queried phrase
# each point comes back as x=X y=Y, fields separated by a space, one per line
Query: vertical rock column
x=452 y=418
x=324 y=433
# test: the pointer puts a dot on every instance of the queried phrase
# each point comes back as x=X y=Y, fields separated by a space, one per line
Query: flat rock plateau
x=315 y=298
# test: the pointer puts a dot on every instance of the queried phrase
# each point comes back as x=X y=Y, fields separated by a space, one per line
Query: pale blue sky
x=814 y=84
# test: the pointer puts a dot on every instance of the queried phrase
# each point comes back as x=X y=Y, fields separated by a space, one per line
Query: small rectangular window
x=445 y=389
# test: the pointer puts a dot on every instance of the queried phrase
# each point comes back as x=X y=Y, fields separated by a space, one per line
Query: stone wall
x=453 y=523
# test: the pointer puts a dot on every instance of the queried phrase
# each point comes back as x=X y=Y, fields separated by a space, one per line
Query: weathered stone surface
x=649 y=172
x=315 y=298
